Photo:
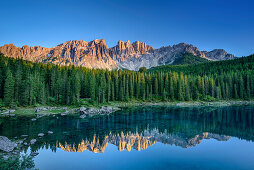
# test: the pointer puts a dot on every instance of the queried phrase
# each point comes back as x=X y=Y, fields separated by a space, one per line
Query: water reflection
x=134 y=128
x=122 y=141
x=138 y=141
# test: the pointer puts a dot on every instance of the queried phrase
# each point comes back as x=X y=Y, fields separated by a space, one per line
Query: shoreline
x=12 y=147
x=108 y=108
x=188 y=103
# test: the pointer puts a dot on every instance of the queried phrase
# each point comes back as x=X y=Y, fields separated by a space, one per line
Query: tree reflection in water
x=135 y=128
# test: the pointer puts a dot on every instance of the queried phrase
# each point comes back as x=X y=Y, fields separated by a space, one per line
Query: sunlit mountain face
x=125 y=55
x=134 y=128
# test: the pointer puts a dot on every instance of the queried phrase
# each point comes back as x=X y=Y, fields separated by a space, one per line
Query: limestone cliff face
x=139 y=141
x=96 y=54
x=124 y=50
x=218 y=54
x=93 y=54
x=167 y=55
x=35 y=53
x=162 y=56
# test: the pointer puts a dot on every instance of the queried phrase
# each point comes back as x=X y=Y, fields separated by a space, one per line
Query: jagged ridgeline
x=125 y=55
x=25 y=83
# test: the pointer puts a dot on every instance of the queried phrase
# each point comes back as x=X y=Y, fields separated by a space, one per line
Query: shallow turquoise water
x=142 y=138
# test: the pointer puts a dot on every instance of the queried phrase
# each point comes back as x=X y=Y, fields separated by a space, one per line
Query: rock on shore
x=92 y=111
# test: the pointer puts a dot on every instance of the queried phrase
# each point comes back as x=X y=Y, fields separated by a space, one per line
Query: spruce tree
x=8 y=89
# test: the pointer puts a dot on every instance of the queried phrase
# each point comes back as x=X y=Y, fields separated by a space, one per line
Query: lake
x=141 y=138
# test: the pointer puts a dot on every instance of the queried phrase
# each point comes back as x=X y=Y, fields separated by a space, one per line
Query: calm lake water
x=142 y=138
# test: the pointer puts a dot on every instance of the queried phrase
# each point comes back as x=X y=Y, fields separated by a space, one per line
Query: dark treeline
x=25 y=83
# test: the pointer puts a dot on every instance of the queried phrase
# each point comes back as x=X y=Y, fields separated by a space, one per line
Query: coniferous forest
x=24 y=83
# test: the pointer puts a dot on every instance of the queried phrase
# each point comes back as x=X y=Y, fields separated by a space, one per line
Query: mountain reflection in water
x=138 y=141
x=134 y=128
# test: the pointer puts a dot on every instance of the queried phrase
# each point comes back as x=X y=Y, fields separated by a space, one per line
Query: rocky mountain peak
x=123 y=45
x=74 y=43
x=100 y=42
x=188 y=48
x=141 y=47
x=218 y=54
x=96 y=54
x=124 y=50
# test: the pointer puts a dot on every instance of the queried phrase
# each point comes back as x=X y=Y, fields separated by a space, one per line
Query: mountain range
x=125 y=55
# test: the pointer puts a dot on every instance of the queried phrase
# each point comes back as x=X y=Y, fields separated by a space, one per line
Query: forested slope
x=189 y=58
x=24 y=83
x=217 y=67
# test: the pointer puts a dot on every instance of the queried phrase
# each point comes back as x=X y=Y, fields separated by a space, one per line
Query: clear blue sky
x=207 y=24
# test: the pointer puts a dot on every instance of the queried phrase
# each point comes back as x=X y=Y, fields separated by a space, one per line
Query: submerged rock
x=5 y=157
x=20 y=142
x=6 y=145
x=34 y=153
x=33 y=141
x=40 y=134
